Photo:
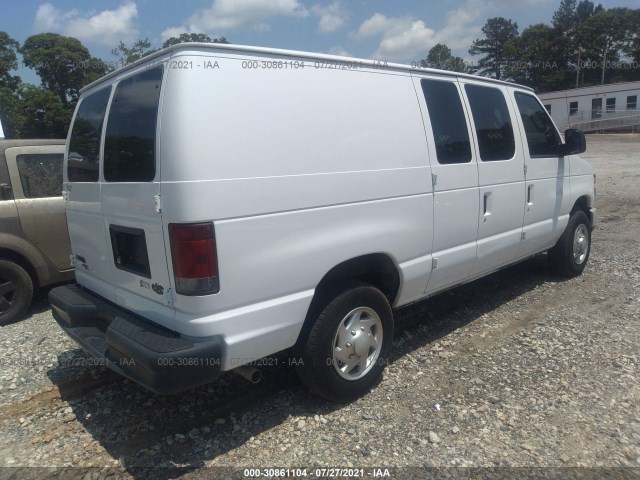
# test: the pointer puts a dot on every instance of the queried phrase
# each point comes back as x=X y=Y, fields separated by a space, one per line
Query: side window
x=611 y=105
x=573 y=108
x=632 y=102
x=84 y=144
x=40 y=174
x=492 y=122
x=596 y=108
x=130 y=141
x=448 y=121
x=542 y=137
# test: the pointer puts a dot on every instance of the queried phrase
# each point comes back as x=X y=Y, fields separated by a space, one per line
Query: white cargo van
x=226 y=203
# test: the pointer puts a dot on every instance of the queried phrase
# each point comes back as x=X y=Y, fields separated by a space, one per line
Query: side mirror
x=574 y=142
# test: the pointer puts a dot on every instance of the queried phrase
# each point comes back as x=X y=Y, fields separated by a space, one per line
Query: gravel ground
x=520 y=369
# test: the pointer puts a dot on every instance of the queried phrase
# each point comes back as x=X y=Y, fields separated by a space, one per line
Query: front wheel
x=569 y=256
x=348 y=345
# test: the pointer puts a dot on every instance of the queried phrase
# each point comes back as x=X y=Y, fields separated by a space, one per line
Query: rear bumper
x=154 y=357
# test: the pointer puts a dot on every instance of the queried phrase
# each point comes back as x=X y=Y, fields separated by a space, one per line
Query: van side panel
x=581 y=181
x=299 y=170
x=270 y=264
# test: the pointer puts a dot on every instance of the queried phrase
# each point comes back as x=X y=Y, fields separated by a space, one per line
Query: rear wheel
x=348 y=345
x=16 y=291
x=570 y=255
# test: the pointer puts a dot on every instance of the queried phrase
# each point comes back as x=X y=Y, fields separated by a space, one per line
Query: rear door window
x=492 y=121
x=542 y=136
x=130 y=141
x=84 y=144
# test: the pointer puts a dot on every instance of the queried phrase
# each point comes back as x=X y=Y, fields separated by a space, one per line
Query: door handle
x=530 y=195
x=486 y=204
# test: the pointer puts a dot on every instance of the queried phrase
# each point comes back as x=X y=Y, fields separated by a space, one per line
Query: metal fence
x=619 y=120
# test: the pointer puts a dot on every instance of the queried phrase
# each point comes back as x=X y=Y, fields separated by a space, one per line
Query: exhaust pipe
x=250 y=373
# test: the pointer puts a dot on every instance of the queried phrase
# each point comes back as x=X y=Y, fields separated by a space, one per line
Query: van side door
x=546 y=205
x=455 y=180
x=500 y=174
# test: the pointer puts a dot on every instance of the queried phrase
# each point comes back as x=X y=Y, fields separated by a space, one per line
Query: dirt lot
x=520 y=369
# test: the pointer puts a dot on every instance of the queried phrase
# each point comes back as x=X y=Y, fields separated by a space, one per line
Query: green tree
x=606 y=35
x=539 y=59
x=8 y=49
x=63 y=64
x=192 y=37
x=571 y=14
x=8 y=58
x=127 y=55
x=11 y=107
x=33 y=112
x=440 y=57
x=499 y=32
x=45 y=116
x=566 y=21
x=585 y=10
x=11 y=112
x=632 y=48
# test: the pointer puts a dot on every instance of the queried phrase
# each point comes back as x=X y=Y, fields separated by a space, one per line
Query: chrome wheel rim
x=357 y=343
x=580 y=244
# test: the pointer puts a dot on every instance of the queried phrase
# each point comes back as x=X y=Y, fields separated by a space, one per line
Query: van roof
x=291 y=53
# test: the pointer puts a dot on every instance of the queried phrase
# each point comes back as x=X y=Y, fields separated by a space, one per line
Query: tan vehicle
x=34 y=243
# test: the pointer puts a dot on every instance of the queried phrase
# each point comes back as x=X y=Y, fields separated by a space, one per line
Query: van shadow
x=165 y=436
x=429 y=320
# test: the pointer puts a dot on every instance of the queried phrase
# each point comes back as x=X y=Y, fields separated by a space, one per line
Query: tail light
x=193 y=251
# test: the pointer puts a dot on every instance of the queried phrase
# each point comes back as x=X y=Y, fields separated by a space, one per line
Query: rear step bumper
x=152 y=356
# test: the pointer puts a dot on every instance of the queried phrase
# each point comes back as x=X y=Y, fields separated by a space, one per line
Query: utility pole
x=604 y=62
x=578 y=66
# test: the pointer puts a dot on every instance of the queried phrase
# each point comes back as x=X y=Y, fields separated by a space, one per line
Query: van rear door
x=130 y=198
x=82 y=194
x=113 y=189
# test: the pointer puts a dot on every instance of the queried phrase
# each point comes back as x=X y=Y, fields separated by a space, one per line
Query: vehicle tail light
x=193 y=251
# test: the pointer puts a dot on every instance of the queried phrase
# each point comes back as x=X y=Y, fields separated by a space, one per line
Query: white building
x=601 y=107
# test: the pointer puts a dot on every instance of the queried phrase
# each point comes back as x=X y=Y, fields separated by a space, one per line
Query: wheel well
x=22 y=261
x=582 y=203
x=376 y=269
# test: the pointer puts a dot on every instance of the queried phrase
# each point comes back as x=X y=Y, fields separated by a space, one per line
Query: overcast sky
x=398 y=31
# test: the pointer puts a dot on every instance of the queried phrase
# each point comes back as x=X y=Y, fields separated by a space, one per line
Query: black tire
x=561 y=257
x=317 y=368
x=16 y=291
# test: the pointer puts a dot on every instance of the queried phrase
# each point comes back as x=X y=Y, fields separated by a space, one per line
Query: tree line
x=585 y=44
